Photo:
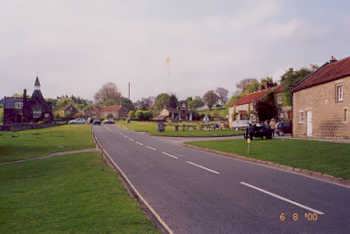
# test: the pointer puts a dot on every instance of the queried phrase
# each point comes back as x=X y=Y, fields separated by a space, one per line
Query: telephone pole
x=129 y=90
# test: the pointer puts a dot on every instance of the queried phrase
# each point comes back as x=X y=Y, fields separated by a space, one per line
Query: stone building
x=26 y=109
x=321 y=102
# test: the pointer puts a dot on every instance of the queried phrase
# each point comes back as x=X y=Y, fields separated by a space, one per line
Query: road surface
x=201 y=192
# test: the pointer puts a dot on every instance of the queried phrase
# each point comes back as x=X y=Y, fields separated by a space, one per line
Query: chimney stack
x=333 y=59
x=24 y=96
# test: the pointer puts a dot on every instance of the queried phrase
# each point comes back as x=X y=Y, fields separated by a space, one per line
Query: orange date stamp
x=308 y=216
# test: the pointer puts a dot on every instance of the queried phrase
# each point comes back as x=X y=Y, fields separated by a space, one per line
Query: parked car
x=261 y=131
x=77 y=121
x=96 y=122
x=108 y=121
x=283 y=127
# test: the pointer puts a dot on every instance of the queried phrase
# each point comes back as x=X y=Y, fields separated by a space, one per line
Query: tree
x=127 y=104
x=232 y=100
x=267 y=82
x=194 y=103
x=266 y=108
x=222 y=93
x=173 y=102
x=145 y=103
x=291 y=78
x=210 y=98
x=162 y=101
x=242 y=85
x=108 y=94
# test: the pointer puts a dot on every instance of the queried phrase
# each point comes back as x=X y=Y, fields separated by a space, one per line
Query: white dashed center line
x=203 y=167
x=283 y=198
x=170 y=155
x=139 y=143
x=130 y=139
x=151 y=148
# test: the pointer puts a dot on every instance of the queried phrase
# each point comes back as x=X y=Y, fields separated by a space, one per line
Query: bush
x=143 y=115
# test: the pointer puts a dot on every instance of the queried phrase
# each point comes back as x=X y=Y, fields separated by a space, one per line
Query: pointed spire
x=37 y=83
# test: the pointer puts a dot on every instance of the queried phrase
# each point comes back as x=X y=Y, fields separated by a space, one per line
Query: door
x=309 y=123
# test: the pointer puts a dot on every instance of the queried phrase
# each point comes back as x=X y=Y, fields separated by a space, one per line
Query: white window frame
x=339 y=93
x=301 y=117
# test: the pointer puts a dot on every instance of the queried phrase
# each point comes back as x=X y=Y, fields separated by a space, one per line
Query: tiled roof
x=113 y=108
x=328 y=72
x=253 y=97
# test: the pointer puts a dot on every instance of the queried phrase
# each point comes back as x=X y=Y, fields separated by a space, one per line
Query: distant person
x=273 y=126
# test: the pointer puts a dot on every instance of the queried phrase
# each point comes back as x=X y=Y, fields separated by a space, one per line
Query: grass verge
x=40 y=142
x=151 y=128
x=325 y=157
x=68 y=194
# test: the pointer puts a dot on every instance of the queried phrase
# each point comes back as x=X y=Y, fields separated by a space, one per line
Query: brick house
x=115 y=111
x=321 y=102
x=25 y=109
x=243 y=110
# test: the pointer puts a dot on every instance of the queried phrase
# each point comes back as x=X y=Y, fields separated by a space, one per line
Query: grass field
x=67 y=194
x=325 y=157
x=222 y=112
x=39 y=142
x=151 y=128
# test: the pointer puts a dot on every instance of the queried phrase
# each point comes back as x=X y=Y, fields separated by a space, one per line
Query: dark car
x=96 y=122
x=283 y=128
x=261 y=131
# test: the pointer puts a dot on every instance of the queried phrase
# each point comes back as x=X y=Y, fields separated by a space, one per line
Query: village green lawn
x=40 y=142
x=151 y=128
x=67 y=194
x=325 y=157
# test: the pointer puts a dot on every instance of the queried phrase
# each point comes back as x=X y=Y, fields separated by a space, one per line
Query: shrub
x=132 y=115
x=143 y=115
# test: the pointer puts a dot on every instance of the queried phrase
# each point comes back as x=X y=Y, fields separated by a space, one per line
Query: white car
x=77 y=121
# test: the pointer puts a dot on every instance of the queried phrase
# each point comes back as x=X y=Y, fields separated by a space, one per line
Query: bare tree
x=108 y=94
x=210 y=98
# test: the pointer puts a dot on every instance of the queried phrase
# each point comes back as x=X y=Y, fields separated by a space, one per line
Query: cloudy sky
x=76 y=46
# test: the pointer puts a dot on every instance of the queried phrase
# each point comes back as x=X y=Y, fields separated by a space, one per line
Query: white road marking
x=139 y=143
x=283 y=198
x=203 y=167
x=170 y=155
x=130 y=139
x=151 y=148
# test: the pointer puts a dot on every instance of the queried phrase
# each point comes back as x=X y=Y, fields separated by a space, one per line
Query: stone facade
x=317 y=108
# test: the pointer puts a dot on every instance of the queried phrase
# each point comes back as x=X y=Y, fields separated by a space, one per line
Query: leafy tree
x=222 y=93
x=194 y=103
x=210 y=98
x=267 y=82
x=162 y=101
x=253 y=86
x=242 y=85
x=127 y=104
x=145 y=103
x=108 y=94
x=131 y=114
x=173 y=102
x=266 y=108
x=292 y=77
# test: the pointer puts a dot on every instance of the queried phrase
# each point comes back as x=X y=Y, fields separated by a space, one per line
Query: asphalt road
x=200 y=192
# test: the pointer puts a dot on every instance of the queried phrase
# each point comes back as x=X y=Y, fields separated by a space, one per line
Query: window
x=339 y=93
x=301 y=116
x=346 y=115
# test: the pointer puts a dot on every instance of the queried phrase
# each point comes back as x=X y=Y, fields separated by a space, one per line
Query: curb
x=298 y=171
x=132 y=189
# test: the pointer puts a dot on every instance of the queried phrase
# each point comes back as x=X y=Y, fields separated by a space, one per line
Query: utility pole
x=129 y=90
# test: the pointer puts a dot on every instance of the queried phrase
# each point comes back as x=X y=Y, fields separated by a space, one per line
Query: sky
x=77 y=46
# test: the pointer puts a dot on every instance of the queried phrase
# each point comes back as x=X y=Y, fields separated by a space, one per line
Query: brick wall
x=327 y=114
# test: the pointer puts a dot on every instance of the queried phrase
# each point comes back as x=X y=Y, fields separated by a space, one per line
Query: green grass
x=151 y=128
x=40 y=142
x=325 y=157
x=68 y=194
x=222 y=112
